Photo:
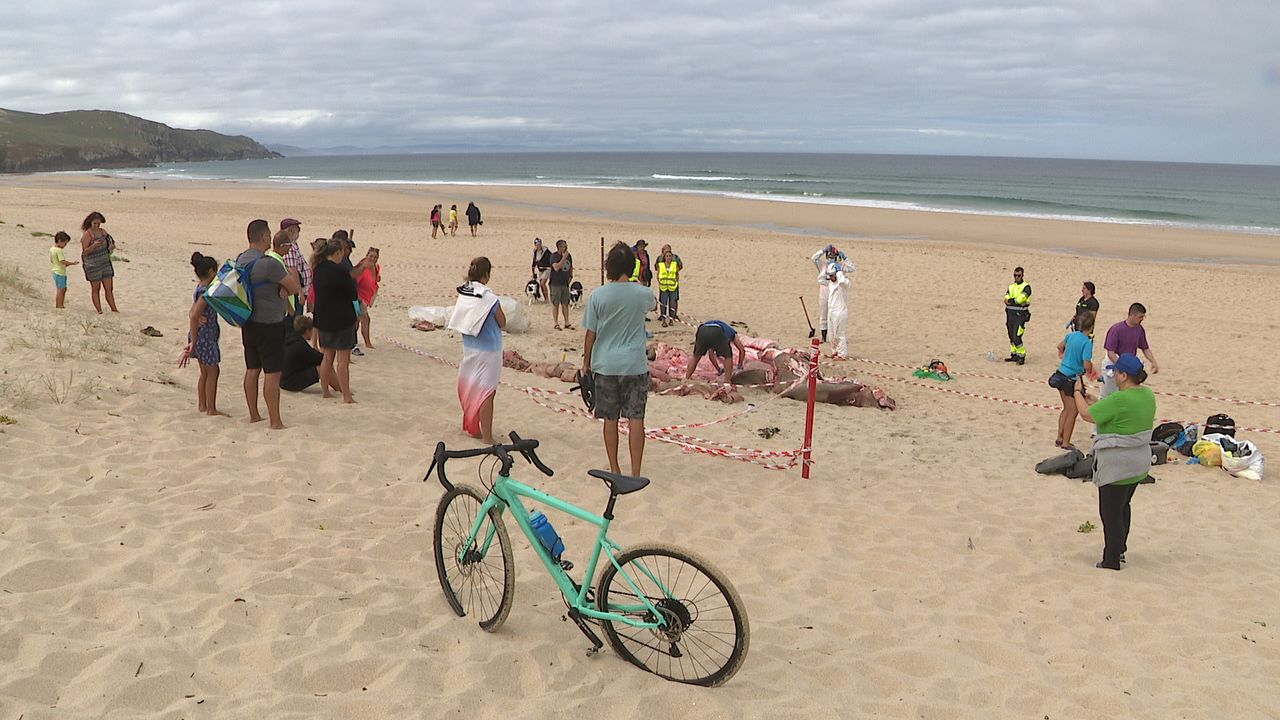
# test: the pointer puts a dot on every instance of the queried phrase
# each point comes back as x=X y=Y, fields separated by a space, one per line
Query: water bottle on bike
x=547 y=534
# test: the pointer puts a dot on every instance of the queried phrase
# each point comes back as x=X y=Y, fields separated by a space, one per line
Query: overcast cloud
x=1194 y=80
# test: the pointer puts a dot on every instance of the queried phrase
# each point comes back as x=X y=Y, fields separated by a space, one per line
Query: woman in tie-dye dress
x=478 y=316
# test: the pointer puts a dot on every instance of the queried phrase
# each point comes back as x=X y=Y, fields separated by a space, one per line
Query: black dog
x=533 y=290
x=575 y=294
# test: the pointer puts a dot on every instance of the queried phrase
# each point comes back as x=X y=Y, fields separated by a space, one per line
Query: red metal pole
x=808 y=413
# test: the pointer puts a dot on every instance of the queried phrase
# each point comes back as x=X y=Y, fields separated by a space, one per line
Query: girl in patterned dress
x=202 y=339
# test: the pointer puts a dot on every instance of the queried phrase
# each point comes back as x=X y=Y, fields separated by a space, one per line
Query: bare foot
x=276 y=426
x=255 y=419
x=349 y=401
x=477 y=436
x=325 y=394
x=215 y=412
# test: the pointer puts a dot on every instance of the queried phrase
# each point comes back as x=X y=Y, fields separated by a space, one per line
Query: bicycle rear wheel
x=482 y=581
x=705 y=637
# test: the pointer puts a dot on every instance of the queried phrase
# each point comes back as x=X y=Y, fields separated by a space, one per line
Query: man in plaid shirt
x=295 y=260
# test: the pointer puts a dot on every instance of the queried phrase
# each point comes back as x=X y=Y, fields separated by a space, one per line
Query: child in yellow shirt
x=58 y=259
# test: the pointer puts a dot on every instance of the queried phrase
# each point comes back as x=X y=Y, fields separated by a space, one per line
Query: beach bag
x=1186 y=440
x=1060 y=464
x=1167 y=433
x=231 y=293
x=1209 y=453
x=1220 y=423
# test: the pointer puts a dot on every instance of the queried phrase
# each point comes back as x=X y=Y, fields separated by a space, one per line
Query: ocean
x=1234 y=198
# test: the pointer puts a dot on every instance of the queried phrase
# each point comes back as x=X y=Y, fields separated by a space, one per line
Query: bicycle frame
x=507 y=492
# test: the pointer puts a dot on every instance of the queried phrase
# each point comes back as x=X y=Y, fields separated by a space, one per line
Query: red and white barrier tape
x=541 y=397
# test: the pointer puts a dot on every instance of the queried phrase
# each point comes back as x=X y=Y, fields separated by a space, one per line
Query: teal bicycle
x=663 y=609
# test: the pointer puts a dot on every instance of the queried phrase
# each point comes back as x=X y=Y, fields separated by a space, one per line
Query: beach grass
x=13 y=284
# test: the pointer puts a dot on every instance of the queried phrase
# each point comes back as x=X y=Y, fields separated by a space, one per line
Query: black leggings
x=1014 y=322
x=1113 y=508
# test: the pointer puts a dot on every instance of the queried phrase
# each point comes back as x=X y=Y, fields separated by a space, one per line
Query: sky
x=1171 y=80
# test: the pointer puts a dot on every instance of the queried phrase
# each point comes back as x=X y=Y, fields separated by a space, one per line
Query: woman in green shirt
x=1122 y=450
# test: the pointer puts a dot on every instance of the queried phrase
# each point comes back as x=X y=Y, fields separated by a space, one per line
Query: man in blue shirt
x=615 y=351
x=716 y=335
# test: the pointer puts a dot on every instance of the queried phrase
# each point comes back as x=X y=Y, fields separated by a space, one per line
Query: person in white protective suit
x=837 y=316
x=828 y=261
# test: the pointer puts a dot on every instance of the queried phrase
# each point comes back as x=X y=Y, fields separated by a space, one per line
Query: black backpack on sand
x=1220 y=423
x=1166 y=432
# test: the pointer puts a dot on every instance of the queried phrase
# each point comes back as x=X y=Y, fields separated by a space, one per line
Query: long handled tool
x=806 y=316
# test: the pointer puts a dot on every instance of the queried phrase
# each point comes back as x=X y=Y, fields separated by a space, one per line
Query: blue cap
x=1128 y=363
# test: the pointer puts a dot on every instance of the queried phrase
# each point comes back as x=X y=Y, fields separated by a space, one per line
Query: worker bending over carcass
x=716 y=336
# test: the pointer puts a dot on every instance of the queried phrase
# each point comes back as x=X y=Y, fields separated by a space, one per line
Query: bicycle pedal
x=567 y=565
x=593 y=651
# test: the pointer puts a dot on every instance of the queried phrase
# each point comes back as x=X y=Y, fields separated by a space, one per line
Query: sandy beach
x=155 y=562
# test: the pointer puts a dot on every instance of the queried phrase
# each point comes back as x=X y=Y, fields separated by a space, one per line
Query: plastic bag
x=1241 y=458
x=517 y=317
x=1208 y=452
x=438 y=316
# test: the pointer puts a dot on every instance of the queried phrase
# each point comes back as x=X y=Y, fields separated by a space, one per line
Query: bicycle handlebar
x=502 y=452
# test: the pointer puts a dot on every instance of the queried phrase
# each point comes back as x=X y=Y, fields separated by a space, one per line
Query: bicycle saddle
x=620 y=484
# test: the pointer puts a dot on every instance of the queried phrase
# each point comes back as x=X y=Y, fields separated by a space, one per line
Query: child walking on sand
x=58 y=258
x=202 y=339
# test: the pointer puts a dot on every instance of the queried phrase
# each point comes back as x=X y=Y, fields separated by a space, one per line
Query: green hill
x=90 y=139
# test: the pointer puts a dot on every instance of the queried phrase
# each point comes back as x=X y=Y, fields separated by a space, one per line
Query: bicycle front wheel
x=478 y=580
x=705 y=634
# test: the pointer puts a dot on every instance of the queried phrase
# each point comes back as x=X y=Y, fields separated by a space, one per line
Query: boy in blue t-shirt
x=615 y=352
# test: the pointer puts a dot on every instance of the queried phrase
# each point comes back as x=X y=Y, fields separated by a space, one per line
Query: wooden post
x=601 y=262
x=808 y=413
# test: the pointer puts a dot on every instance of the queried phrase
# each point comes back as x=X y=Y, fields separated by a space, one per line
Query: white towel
x=475 y=300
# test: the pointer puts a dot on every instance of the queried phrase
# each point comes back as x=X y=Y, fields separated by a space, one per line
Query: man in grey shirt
x=263 y=334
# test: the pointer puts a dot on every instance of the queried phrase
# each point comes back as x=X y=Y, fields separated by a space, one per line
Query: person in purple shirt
x=1127 y=338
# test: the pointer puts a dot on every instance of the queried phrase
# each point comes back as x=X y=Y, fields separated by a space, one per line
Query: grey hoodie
x=1120 y=457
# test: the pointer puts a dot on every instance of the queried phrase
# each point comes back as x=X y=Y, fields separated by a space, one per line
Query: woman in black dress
x=334 y=316
x=95 y=255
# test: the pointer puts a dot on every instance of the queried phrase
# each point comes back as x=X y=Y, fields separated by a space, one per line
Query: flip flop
x=557 y=327
x=569 y=327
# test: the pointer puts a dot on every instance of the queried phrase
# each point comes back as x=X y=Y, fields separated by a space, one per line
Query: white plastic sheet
x=518 y=320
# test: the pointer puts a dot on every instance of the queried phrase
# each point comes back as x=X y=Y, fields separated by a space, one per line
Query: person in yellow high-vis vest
x=1017 y=312
x=668 y=286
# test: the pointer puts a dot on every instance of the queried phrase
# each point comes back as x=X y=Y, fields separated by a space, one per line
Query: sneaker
x=357 y=351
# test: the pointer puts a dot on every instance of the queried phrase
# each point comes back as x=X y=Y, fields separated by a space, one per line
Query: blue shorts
x=60 y=281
